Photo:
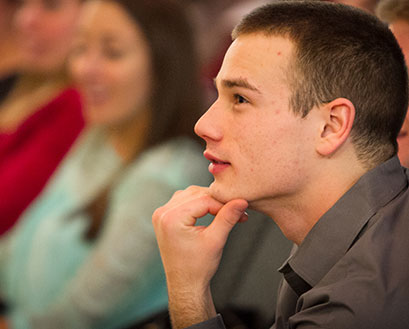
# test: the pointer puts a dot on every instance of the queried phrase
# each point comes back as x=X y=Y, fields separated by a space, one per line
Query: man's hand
x=191 y=254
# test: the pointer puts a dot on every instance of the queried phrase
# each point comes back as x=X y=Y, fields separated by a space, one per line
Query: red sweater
x=29 y=155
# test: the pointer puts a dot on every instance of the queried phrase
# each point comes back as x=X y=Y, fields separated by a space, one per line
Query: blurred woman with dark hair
x=9 y=59
x=40 y=112
x=84 y=255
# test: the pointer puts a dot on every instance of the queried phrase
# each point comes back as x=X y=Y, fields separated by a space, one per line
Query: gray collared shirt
x=352 y=269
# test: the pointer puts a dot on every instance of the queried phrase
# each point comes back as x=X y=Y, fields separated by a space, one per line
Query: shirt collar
x=337 y=229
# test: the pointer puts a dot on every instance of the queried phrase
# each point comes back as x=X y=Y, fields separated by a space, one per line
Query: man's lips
x=214 y=159
x=216 y=165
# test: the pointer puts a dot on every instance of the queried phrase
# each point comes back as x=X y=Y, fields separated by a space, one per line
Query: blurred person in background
x=41 y=116
x=213 y=22
x=84 y=255
x=367 y=5
x=396 y=14
x=9 y=58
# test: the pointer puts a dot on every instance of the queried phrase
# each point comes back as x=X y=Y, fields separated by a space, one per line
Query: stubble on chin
x=222 y=194
x=217 y=193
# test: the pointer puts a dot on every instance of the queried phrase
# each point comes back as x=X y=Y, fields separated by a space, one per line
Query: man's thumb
x=227 y=217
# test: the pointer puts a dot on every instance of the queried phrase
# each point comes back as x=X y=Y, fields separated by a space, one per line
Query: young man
x=396 y=13
x=312 y=96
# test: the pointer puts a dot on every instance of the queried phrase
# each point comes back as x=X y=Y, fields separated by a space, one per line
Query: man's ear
x=338 y=118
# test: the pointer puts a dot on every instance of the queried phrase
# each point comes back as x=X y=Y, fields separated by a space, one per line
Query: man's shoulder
x=369 y=285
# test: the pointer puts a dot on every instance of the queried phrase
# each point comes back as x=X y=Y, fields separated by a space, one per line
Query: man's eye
x=240 y=99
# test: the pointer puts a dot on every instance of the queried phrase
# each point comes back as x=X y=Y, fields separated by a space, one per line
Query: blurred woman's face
x=111 y=64
x=45 y=29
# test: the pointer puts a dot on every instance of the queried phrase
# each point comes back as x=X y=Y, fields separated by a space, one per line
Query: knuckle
x=168 y=222
x=204 y=198
x=162 y=218
x=177 y=193
x=157 y=212
x=194 y=189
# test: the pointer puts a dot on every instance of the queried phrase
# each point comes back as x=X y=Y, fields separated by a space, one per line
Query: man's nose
x=209 y=126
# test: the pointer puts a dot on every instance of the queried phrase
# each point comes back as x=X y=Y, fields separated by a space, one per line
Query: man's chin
x=223 y=194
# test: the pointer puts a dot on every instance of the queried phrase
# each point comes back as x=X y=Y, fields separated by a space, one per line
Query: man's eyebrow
x=241 y=83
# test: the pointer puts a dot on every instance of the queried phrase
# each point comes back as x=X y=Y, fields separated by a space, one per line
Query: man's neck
x=297 y=214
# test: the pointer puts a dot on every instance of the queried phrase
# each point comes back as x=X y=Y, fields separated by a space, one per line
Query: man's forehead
x=266 y=41
x=255 y=55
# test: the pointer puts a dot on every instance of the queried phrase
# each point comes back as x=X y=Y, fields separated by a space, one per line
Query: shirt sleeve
x=124 y=256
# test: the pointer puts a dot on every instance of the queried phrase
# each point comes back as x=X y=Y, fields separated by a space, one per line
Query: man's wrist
x=190 y=306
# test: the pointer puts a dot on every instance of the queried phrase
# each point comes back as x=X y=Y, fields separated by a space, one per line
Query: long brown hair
x=176 y=97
